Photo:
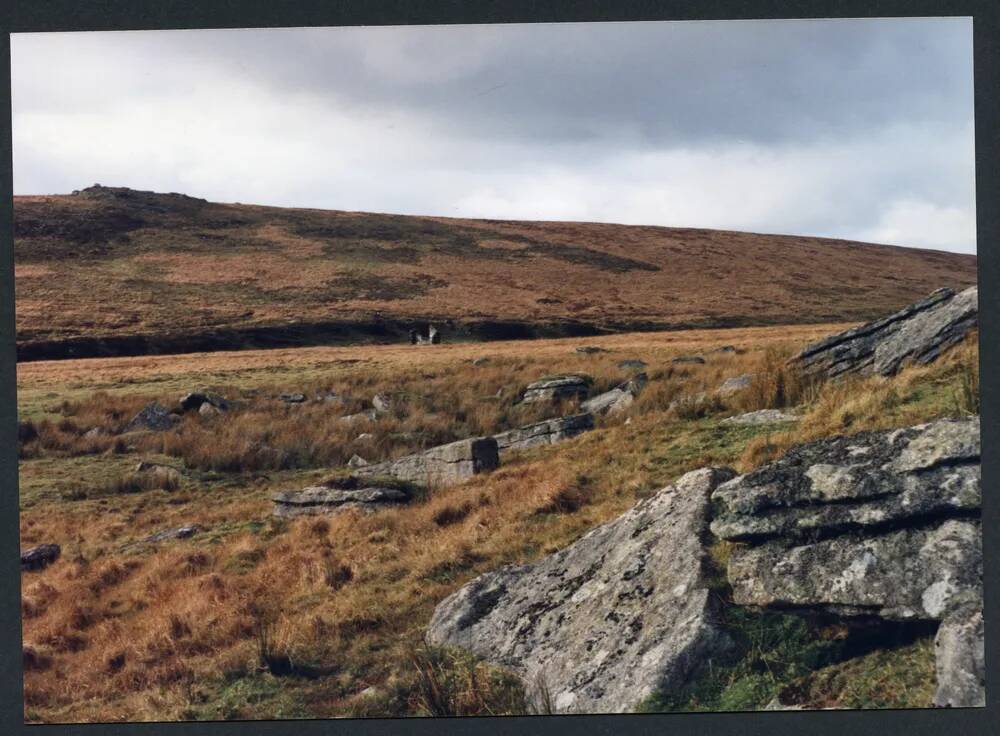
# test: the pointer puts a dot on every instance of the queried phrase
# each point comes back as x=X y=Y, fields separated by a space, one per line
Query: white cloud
x=925 y=225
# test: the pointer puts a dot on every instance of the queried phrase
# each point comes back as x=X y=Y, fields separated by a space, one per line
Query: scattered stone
x=692 y=359
x=624 y=612
x=364 y=437
x=557 y=388
x=617 y=399
x=153 y=417
x=162 y=476
x=916 y=334
x=195 y=400
x=589 y=349
x=331 y=398
x=40 y=557
x=764 y=416
x=179 y=532
x=881 y=524
x=357 y=461
x=735 y=384
x=480 y=361
x=93 y=433
x=292 y=398
x=209 y=410
x=382 y=403
x=327 y=500
x=724 y=349
x=547 y=432
x=369 y=415
x=442 y=465
x=632 y=364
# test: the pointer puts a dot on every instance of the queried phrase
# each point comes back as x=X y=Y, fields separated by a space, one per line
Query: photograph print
x=486 y=370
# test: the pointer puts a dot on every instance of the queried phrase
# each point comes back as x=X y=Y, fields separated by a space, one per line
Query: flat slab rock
x=619 y=398
x=557 y=388
x=620 y=614
x=326 y=500
x=764 y=416
x=918 y=333
x=547 y=432
x=879 y=524
x=451 y=463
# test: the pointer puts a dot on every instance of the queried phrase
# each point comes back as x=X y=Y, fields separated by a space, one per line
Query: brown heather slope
x=110 y=263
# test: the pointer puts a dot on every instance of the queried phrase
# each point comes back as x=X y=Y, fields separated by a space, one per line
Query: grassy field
x=119 y=262
x=255 y=617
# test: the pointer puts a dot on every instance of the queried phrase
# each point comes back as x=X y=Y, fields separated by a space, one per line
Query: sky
x=856 y=129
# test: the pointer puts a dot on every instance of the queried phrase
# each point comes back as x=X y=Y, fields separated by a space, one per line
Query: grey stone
x=40 y=557
x=960 y=661
x=209 y=410
x=369 y=415
x=916 y=334
x=725 y=349
x=691 y=359
x=480 y=361
x=869 y=479
x=589 y=349
x=178 y=532
x=195 y=400
x=617 y=399
x=622 y=613
x=442 y=465
x=919 y=573
x=326 y=500
x=735 y=384
x=764 y=416
x=632 y=364
x=557 y=388
x=357 y=461
x=153 y=417
x=292 y=398
x=547 y=432
x=382 y=403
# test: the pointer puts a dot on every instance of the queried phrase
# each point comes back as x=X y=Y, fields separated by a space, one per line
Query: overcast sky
x=854 y=129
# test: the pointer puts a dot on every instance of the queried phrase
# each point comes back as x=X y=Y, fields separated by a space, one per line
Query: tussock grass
x=175 y=629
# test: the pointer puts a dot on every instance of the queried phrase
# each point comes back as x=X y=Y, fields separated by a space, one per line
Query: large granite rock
x=622 y=613
x=618 y=399
x=547 y=432
x=918 y=333
x=442 y=465
x=329 y=500
x=882 y=524
x=872 y=479
x=196 y=401
x=40 y=557
x=557 y=388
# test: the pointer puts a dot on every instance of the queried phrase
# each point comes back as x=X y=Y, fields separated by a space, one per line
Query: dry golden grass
x=317 y=610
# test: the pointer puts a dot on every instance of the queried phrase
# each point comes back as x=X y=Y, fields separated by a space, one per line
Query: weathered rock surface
x=691 y=359
x=451 y=463
x=620 y=614
x=548 y=432
x=735 y=384
x=918 y=333
x=292 y=398
x=327 y=500
x=557 y=388
x=881 y=524
x=764 y=416
x=617 y=399
x=870 y=479
x=382 y=403
x=153 y=417
x=960 y=661
x=357 y=461
x=165 y=535
x=40 y=557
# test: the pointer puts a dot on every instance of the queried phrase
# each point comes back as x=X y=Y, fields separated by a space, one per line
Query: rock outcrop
x=40 y=557
x=196 y=400
x=622 y=613
x=152 y=418
x=442 y=465
x=557 y=388
x=329 y=500
x=735 y=384
x=547 y=432
x=617 y=399
x=882 y=524
x=916 y=334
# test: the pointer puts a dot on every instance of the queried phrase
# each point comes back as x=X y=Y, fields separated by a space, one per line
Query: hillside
x=118 y=271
